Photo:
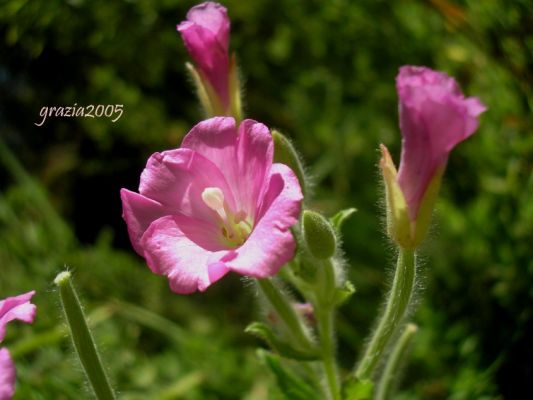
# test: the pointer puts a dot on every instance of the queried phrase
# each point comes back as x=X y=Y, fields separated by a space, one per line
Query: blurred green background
x=323 y=73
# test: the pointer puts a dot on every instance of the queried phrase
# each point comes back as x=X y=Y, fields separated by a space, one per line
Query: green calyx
x=407 y=233
x=211 y=101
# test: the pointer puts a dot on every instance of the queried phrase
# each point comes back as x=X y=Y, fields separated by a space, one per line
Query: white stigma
x=214 y=199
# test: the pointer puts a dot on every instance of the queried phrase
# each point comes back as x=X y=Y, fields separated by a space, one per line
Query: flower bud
x=434 y=117
x=319 y=235
x=206 y=35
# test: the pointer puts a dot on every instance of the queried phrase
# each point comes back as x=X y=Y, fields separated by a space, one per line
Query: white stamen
x=234 y=228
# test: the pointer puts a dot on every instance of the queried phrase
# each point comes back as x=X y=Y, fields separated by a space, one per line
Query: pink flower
x=215 y=205
x=434 y=117
x=206 y=36
x=7 y=375
x=18 y=307
x=12 y=308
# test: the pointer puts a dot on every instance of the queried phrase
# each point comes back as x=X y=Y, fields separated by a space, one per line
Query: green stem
x=327 y=344
x=395 y=309
x=384 y=388
x=324 y=311
x=82 y=338
x=286 y=311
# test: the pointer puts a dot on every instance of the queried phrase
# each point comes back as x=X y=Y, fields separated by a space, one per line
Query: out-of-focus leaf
x=291 y=385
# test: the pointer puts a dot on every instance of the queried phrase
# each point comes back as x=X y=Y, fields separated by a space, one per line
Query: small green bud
x=319 y=235
x=285 y=153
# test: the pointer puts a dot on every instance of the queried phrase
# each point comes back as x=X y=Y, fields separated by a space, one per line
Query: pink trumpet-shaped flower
x=434 y=117
x=215 y=205
x=12 y=308
x=206 y=36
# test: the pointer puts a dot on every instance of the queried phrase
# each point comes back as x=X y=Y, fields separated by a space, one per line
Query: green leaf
x=338 y=219
x=359 y=390
x=290 y=384
x=281 y=347
x=342 y=294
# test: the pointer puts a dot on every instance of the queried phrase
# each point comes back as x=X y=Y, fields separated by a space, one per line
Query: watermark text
x=90 y=111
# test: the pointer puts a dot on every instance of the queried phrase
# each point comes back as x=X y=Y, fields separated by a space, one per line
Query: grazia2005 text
x=90 y=111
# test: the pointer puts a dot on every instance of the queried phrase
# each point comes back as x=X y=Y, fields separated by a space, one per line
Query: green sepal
x=235 y=91
x=285 y=153
x=319 y=235
x=207 y=96
x=338 y=219
x=398 y=223
x=210 y=100
x=343 y=293
x=359 y=390
x=291 y=385
x=281 y=347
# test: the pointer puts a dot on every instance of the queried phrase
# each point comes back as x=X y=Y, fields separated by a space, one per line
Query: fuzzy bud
x=319 y=235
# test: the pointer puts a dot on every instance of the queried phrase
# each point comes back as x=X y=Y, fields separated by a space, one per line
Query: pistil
x=235 y=227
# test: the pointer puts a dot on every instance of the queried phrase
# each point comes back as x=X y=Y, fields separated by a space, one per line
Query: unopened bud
x=406 y=232
x=319 y=235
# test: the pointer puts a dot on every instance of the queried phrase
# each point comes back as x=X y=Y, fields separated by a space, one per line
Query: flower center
x=234 y=227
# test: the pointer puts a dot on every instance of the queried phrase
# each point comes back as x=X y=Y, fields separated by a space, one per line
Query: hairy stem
x=324 y=311
x=286 y=312
x=82 y=338
x=395 y=309
x=386 y=381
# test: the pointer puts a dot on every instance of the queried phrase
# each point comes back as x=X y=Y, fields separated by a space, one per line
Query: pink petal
x=186 y=250
x=216 y=140
x=255 y=151
x=271 y=243
x=17 y=307
x=206 y=36
x=139 y=212
x=171 y=183
x=243 y=156
x=176 y=180
x=213 y=17
x=7 y=375
x=434 y=118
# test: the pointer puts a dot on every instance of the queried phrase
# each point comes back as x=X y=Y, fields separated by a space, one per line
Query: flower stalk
x=385 y=385
x=325 y=312
x=286 y=312
x=82 y=338
x=394 y=312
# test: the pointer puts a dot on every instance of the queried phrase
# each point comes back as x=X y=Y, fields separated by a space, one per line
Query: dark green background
x=322 y=72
